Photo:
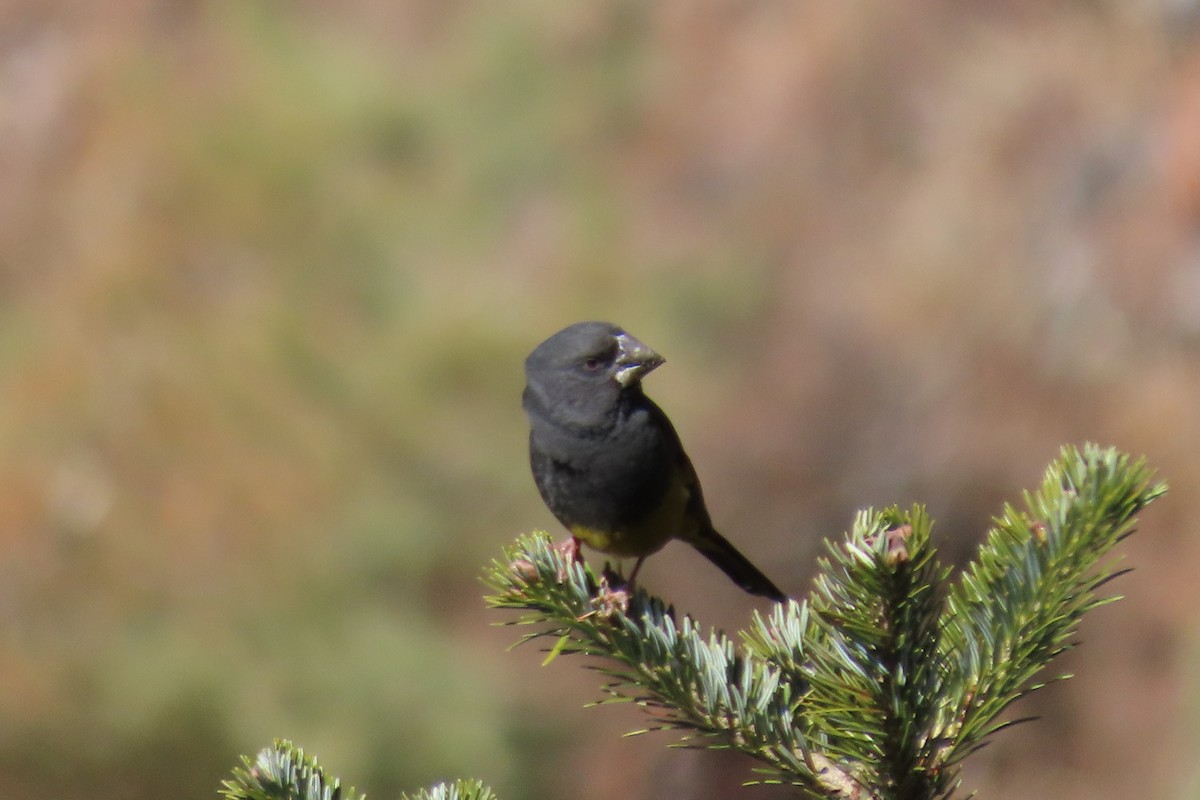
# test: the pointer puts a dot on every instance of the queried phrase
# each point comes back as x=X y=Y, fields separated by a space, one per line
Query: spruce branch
x=688 y=680
x=1038 y=572
x=459 y=790
x=879 y=684
x=872 y=641
x=283 y=772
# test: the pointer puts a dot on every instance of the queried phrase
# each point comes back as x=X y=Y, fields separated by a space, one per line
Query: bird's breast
x=618 y=493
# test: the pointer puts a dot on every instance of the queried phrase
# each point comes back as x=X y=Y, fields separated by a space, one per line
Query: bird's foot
x=609 y=601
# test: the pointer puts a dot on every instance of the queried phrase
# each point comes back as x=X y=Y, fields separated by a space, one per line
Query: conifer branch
x=876 y=687
x=283 y=772
x=1039 y=571
x=459 y=790
x=881 y=682
x=688 y=680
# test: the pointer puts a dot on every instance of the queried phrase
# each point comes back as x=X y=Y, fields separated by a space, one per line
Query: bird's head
x=584 y=369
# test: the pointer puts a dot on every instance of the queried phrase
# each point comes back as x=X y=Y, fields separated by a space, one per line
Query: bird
x=607 y=460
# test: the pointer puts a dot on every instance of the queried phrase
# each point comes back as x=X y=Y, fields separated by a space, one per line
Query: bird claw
x=609 y=601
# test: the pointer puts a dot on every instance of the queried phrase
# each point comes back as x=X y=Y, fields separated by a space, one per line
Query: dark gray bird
x=607 y=460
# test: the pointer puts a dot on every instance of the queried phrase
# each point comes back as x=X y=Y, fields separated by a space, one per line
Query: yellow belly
x=647 y=535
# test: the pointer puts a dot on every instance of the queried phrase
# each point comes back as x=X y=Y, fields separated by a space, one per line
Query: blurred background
x=268 y=273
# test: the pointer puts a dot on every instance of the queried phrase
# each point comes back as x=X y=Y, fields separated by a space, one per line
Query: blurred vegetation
x=268 y=272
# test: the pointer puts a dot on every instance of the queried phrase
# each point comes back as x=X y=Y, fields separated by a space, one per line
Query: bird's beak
x=634 y=360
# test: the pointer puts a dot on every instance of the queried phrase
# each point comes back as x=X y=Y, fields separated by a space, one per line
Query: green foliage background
x=268 y=272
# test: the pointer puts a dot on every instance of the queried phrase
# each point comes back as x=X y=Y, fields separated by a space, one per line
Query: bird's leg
x=609 y=601
x=633 y=574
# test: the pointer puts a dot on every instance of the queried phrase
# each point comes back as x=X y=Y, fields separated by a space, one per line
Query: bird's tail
x=726 y=557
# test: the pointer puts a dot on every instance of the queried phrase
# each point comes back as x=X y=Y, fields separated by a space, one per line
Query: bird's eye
x=598 y=361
